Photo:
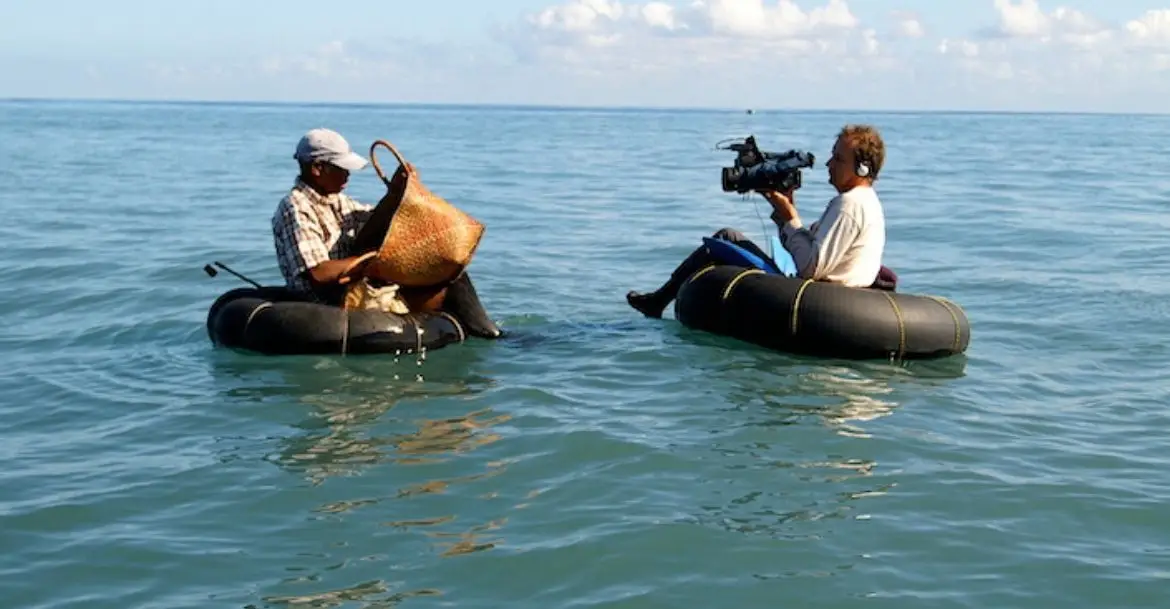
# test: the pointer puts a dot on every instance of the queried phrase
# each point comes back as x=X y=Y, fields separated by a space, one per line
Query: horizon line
x=550 y=106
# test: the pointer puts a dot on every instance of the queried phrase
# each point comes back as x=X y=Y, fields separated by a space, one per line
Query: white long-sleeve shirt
x=845 y=245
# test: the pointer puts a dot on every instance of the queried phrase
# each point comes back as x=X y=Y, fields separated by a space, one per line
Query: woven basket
x=429 y=241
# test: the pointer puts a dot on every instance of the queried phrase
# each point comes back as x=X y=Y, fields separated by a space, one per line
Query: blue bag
x=730 y=253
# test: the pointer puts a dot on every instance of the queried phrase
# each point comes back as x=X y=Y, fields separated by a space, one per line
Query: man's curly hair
x=867 y=146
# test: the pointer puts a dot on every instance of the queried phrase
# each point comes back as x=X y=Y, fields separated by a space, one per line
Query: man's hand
x=783 y=205
x=408 y=168
x=340 y=271
x=356 y=268
x=777 y=198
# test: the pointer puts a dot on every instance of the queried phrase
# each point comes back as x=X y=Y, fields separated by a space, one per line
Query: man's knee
x=729 y=234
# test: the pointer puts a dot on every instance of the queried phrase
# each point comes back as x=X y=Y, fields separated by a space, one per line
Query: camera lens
x=731 y=176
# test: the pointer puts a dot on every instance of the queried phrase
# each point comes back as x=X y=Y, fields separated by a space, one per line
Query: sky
x=1014 y=55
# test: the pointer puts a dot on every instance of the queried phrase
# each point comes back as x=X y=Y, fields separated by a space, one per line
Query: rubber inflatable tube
x=819 y=318
x=276 y=321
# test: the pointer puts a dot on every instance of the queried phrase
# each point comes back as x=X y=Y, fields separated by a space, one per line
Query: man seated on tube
x=315 y=227
x=844 y=246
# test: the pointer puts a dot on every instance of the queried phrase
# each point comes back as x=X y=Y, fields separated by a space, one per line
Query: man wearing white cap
x=315 y=227
x=315 y=224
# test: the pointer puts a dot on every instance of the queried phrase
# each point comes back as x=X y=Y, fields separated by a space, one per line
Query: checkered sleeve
x=300 y=242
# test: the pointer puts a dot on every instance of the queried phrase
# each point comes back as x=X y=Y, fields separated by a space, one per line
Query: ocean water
x=606 y=460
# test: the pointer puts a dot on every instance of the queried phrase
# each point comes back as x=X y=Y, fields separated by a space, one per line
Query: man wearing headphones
x=844 y=246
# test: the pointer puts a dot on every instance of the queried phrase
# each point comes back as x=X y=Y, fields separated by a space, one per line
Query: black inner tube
x=820 y=318
x=278 y=321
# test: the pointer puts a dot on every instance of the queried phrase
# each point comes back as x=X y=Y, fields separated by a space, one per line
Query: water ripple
x=595 y=458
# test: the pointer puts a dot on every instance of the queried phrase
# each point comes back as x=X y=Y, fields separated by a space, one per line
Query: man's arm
x=339 y=271
x=817 y=249
x=301 y=243
x=357 y=214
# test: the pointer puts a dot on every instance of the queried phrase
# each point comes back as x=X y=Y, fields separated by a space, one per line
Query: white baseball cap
x=326 y=145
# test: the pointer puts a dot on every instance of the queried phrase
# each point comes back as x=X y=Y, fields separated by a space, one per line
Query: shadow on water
x=947 y=368
x=771 y=388
x=788 y=388
x=777 y=476
x=386 y=456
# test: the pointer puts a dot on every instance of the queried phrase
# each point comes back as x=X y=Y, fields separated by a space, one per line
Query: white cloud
x=1054 y=56
x=1027 y=20
x=755 y=18
x=1063 y=47
x=1023 y=20
x=600 y=36
x=869 y=40
x=608 y=36
x=331 y=61
x=661 y=15
x=965 y=48
x=1151 y=29
x=579 y=16
x=747 y=53
x=1036 y=53
x=594 y=23
x=909 y=25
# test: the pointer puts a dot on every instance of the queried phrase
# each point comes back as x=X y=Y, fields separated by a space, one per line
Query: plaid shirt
x=309 y=228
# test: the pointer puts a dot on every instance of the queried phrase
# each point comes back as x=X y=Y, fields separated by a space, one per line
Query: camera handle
x=747 y=151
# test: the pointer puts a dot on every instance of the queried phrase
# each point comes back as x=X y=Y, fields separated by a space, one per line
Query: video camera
x=758 y=170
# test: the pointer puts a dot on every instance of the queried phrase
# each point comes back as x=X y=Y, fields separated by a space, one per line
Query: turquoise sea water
x=617 y=461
